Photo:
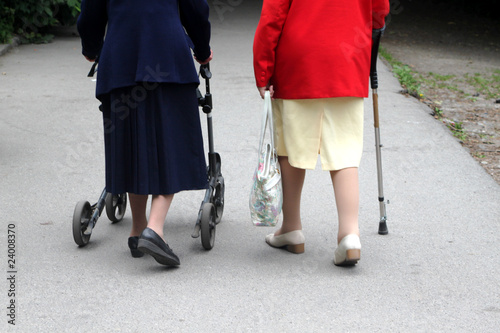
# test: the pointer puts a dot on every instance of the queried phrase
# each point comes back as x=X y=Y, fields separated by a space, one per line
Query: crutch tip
x=382 y=228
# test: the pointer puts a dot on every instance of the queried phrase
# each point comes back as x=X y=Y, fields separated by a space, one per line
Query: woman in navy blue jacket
x=147 y=85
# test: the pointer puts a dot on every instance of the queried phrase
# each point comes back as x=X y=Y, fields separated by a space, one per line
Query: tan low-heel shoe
x=348 y=252
x=292 y=241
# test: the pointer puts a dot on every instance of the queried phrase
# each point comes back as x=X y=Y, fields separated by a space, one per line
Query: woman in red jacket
x=314 y=57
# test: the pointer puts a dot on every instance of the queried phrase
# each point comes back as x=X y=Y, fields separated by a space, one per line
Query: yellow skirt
x=330 y=127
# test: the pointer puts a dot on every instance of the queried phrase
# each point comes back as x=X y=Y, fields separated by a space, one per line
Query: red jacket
x=316 y=49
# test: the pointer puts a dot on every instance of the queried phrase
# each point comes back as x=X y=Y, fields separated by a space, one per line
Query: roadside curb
x=4 y=48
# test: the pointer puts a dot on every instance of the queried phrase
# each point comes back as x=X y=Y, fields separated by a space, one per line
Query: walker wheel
x=81 y=218
x=116 y=205
x=208 y=226
x=219 y=199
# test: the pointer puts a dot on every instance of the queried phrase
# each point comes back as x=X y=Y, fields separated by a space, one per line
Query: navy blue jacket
x=144 y=40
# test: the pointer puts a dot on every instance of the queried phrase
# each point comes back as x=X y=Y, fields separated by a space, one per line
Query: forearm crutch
x=377 y=34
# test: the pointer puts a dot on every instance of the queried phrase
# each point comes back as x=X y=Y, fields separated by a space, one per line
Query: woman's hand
x=262 y=90
x=206 y=61
x=89 y=59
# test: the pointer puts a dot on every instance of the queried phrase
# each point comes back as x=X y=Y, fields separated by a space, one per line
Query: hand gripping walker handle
x=93 y=69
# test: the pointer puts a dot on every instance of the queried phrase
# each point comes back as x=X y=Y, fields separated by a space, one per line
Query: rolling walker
x=85 y=215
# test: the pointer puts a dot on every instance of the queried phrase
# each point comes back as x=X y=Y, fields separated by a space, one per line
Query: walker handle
x=205 y=71
x=93 y=68
x=205 y=101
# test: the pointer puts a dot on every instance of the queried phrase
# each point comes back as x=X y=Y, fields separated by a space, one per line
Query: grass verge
x=408 y=78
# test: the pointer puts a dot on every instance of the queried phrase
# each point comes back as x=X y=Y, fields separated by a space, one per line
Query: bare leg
x=292 y=181
x=138 y=206
x=149 y=242
x=346 y=187
x=159 y=208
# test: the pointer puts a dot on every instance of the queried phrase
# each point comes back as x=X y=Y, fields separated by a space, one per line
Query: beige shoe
x=348 y=252
x=292 y=241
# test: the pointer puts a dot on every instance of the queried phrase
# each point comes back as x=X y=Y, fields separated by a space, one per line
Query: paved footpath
x=437 y=270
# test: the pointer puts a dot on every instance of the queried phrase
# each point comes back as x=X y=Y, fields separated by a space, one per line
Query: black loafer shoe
x=132 y=245
x=151 y=243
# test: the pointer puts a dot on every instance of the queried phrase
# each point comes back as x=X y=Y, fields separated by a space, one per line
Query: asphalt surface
x=437 y=270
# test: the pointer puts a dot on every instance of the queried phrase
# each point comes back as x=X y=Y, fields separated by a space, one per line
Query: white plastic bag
x=266 y=197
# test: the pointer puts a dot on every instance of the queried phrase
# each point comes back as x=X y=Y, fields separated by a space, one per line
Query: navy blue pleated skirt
x=153 y=139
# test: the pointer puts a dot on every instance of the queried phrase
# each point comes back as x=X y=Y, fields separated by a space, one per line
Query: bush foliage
x=31 y=20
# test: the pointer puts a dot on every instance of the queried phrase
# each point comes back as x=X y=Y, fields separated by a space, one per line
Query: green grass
x=416 y=84
x=438 y=113
x=440 y=77
x=433 y=81
x=479 y=155
x=458 y=130
x=485 y=137
x=404 y=73
x=488 y=85
x=387 y=56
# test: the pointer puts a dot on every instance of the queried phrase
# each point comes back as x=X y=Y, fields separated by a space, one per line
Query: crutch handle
x=376 y=36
